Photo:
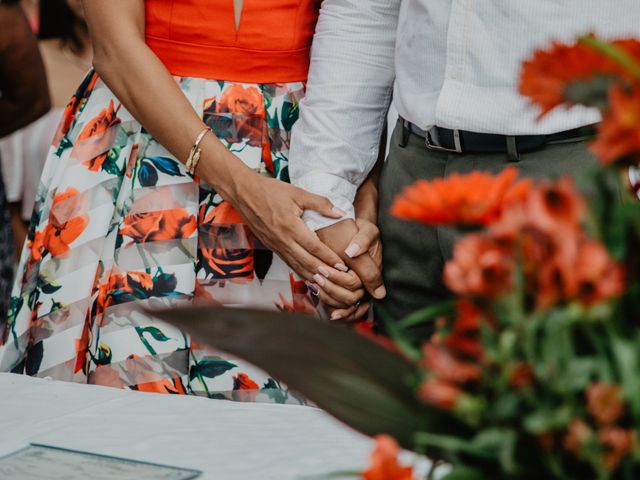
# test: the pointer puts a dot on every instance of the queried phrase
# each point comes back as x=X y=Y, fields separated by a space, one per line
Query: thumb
x=368 y=234
x=322 y=205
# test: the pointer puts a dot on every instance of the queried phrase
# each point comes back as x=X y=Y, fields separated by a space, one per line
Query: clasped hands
x=341 y=263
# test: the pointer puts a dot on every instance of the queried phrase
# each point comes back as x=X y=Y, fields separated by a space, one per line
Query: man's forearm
x=336 y=141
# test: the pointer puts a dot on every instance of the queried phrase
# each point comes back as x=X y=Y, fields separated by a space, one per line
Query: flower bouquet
x=534 y=368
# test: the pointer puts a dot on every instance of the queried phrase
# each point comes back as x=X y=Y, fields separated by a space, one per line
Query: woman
x=66 y=50
x=130 y=215
x=23 y=98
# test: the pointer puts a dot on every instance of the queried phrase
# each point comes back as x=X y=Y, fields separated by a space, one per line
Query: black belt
x=460 y=141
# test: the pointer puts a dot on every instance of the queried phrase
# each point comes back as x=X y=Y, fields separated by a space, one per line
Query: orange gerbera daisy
x=477 y=198
x=384 y=462
x=439 y=361
x=480 y=267
x=618 y=137
x=604 y=403
x=547 y=76
x=618 y=443
x=440 y=393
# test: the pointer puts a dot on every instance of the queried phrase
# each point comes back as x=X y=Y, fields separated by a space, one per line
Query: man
x=456 y=65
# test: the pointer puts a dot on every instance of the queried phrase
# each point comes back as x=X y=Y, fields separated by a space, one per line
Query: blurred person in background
x=31 y=8
x=23 y=98
x=66 y=50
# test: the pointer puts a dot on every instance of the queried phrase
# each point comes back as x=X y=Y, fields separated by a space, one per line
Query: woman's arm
x=272 y=209
x=24 y=96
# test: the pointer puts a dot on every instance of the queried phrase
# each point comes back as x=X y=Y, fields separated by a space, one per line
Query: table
x=226 y=440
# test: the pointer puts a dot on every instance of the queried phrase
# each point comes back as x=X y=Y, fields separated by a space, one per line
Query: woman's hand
x=273 y=210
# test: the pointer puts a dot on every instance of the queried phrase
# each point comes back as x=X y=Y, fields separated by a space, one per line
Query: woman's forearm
x=145 y=87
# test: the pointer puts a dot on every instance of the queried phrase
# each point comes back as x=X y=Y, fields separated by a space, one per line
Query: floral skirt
x=119 y=224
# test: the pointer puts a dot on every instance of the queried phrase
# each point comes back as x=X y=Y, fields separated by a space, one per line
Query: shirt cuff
x=339 y=191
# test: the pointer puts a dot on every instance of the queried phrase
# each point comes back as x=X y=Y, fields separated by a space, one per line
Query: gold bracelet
x=194 y=155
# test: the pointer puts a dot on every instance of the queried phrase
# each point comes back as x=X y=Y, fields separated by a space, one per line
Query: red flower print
x=67 y=221
x=226 y=249
x=99 y=125
x=173 y=386
x=72 y=109
x=300 y=301
x=246 y=104
x=161 y=225
x=242 y=381
x=106 y=376
x=244 y=389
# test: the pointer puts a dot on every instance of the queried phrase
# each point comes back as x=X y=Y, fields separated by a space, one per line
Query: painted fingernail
x=319 y=280
x=352 y=250
x=324 y=271
x=380 y=293
x=313 y=288
x=337 y=211
x=336 y=316
x=342 y=267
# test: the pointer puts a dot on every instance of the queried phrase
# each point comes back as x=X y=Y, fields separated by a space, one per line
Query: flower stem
x=613 y=52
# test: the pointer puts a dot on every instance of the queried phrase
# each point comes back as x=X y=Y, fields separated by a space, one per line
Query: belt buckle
x=432 y=146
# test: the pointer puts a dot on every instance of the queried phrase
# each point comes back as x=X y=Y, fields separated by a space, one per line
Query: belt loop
x=406 y=134
x=512 y=149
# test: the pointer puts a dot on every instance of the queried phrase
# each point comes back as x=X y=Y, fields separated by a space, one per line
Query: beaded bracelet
x=194 y=155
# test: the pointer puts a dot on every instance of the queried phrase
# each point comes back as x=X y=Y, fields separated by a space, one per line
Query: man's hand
x=339 y=238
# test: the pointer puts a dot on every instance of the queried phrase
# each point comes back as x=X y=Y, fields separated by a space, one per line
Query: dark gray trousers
x=415 y=254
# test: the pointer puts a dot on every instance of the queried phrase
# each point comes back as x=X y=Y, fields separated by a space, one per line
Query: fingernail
x=380 y=293
x=336 y=316
x=342 y=267
x=319 y=280
x=352 y=250
x=324 y=271
x=337 y=211
x=313 y=288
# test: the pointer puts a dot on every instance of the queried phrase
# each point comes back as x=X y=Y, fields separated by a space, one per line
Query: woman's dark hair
x=57 y=20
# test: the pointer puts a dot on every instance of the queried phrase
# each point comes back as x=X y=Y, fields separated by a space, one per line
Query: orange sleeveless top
x=198 y=38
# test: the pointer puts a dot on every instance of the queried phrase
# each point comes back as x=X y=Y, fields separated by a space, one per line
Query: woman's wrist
x=225 y=172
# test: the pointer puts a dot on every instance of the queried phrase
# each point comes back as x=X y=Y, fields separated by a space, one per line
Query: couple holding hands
x=231 y=152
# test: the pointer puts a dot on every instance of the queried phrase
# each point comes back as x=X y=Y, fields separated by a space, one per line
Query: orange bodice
x=198 y=38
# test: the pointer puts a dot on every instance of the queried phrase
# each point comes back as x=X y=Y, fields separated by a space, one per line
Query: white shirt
x=456 y=64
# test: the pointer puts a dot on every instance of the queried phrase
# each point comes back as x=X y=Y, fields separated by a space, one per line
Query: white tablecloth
x=226 y=440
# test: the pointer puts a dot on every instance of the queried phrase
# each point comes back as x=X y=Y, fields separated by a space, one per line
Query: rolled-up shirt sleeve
x=335 y=142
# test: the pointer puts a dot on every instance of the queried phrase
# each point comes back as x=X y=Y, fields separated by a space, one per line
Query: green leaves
x=349 y=376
